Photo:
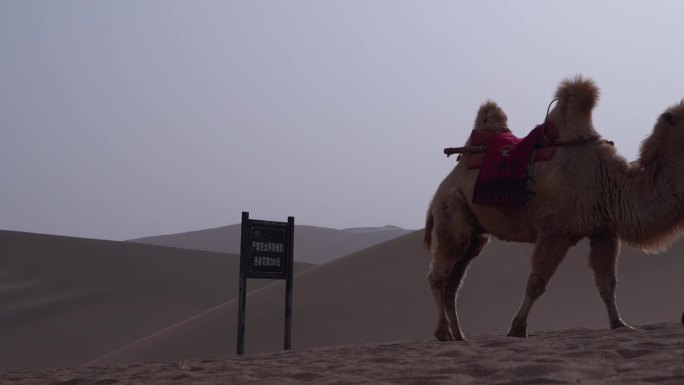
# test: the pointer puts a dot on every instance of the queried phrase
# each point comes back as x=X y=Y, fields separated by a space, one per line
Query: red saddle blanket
x=505 y=167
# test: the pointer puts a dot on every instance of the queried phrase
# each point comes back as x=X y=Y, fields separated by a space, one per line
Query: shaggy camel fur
x=584 y=191
x=490 y=117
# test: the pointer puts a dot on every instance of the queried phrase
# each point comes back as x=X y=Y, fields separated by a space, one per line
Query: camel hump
x=579 y=94
x=490 y=117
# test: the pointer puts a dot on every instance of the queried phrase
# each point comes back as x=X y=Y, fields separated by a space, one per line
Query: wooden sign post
x=266 y=250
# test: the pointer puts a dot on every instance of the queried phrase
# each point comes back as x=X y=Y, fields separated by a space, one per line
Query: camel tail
x=429 y=224
x=578 y=94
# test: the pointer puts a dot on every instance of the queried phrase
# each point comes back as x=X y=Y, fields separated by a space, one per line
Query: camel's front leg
x=548 y=254
x=603 y=261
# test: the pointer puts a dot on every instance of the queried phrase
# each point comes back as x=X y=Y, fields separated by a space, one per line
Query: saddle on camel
x=506 y=161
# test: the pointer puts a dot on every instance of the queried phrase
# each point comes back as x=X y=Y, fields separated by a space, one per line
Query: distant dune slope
x=315 y=245
x=381 y=294
x=64 y=301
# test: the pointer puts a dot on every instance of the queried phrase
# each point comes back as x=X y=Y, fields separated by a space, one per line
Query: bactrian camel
x=584 y=191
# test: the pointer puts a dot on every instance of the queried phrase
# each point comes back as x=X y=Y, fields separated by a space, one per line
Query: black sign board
x=266 y=252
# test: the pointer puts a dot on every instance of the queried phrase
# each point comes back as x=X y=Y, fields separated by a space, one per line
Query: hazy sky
x=121 y=119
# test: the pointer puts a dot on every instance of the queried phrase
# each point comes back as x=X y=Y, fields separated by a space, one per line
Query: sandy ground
x=381 y=294
x=69 y=302
x=648 y=355
x=97 y=296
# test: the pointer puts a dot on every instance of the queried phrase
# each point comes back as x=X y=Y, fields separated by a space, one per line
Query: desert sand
x=652 y=354
x=93 y=306
x=381 y=294
x=65 y=300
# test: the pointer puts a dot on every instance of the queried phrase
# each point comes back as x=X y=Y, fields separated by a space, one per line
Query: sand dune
x=64 y=301
x=68 y=301
x=651 y=355
x=315 y=245
x=381 y=294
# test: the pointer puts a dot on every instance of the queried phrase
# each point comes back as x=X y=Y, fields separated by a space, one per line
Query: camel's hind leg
x=454 y=234
x=477 y=243
x=603 y=261
x=447 y=254
x=548 y=254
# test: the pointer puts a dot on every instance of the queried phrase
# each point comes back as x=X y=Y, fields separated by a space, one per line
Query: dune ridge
x=66 y=300
x=313 y=244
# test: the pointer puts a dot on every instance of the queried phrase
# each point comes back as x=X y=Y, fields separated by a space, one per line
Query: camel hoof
x=447 y=335
x=518 y=333
x=619 y=324
x=518 y=328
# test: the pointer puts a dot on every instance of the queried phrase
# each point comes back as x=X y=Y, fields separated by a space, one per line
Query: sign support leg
x=243 y=284
x=288 y=284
